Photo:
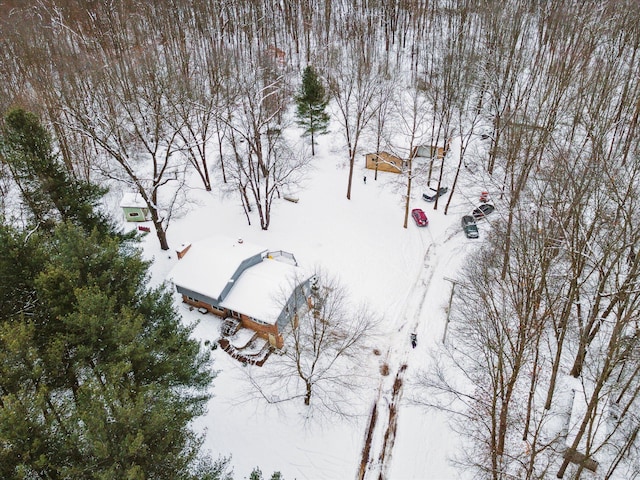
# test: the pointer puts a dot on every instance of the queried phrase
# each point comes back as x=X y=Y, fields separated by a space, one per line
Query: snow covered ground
x=400 y=273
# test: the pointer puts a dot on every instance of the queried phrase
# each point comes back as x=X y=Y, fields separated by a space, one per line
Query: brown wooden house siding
x=384 y=162
x=263 y=330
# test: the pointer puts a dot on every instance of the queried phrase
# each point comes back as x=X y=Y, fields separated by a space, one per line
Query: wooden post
x=446 y=325
x=454 y=282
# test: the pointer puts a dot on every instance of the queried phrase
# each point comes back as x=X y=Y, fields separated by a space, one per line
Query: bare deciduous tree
x=263 y=163
x=354 y=87
x=411 y=129
x=324 y=360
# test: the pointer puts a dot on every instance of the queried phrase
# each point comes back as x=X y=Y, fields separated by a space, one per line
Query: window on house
x=134 y=214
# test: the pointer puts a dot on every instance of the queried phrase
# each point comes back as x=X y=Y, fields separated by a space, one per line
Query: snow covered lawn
x=400 y=274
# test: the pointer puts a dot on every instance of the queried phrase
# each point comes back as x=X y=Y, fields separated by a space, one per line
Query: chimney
x=183 y=250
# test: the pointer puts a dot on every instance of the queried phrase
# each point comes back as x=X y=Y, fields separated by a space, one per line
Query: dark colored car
x=469 y=226
x=432 y=194
x=420 y=217
x=482 y=211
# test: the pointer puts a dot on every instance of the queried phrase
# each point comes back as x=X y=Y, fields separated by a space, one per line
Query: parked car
x=482 y=211
x=469 y=226
x=432 y=194
x=420 y=217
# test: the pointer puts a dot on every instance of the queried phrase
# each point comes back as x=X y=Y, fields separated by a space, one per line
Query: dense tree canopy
x=98 y=376
x=99 y=379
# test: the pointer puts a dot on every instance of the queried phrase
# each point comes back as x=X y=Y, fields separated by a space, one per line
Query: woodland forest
x=143 y=95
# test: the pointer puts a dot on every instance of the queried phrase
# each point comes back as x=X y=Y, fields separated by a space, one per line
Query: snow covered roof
x=261 y=290
x=132 y=199
x=209 y=264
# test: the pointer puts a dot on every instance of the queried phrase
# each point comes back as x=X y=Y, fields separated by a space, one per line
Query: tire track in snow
x=425 y=276
x=374 y=465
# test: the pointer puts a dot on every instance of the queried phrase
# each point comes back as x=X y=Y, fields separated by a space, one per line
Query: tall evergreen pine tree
x=311 y=103
x=99 y=378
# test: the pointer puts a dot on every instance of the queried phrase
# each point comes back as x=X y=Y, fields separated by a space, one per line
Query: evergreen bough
x=311 y=103
x=50 y=192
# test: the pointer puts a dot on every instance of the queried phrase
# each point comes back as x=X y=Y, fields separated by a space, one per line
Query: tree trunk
x=313 y=146
x=495 y=138
x=207 y=179
x=352 y=154
x=554 y=370
x=576 y=370
x=562 y=327
x=307 y=397
x=435 y=204
x=220 y=136
x=406 y=205
x=162 y=235
x=532 y=392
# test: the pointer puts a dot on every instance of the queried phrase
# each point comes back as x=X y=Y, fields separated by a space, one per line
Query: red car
x=420 y=217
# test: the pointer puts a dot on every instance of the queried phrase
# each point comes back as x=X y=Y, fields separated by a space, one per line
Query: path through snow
x=383 y=421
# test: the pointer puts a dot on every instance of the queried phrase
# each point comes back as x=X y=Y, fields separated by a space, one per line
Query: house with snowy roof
x=134 y=207
x=248 y=285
